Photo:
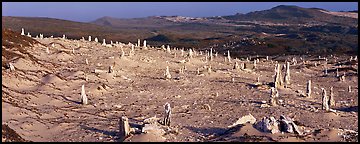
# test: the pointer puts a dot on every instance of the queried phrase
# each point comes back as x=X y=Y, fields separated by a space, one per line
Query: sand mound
x=51 y=78
x=25 y=64
x=62 y=56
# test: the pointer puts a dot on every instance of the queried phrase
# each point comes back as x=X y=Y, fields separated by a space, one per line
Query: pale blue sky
x=89 y=11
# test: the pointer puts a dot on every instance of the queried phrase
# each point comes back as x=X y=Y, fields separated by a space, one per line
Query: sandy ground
x=41 y=102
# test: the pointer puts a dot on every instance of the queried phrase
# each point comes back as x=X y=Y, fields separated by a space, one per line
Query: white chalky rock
x=96 y=39
x=267 y=58
x=84 y=99
x=268 y=125
x=144 y=43
x=211 y=54
x=86 y=61
x=182 y=52
x=64 y=37
x=243 y=120
x=28 y=34
x=138 y=43
x=47 y=50
x=12 y=68
x=111 y=42
x=349 y=89
x=82 y=38
x=22 y=31
x=89 y=38
x=52 y=45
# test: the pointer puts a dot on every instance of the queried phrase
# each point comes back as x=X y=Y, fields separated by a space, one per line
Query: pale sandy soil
x=41 y=102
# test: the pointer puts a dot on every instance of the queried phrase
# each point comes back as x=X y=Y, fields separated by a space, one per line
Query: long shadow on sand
x=348 y=109
x=207 y=131
x=113 y=134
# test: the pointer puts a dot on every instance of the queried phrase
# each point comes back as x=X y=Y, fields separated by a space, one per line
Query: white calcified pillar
x=273 y=95
x=82 y=38
x=47 y=50
x=110 y=69
x=96 y=39
x=287 y=75
x=86 y=61
x=278 y=78
x=228 y=56
x=349 y=89
x=209 y=69
x=167 y=117
x=28 y=34
x=22 y=31
x=138 y=43
x=236 y=66
x=182 y=52
x=84 y=99
x=190 y=53
x=325 y=100
x=52 y=45
x=111 y=42
x=104 y=43
x=144 y=43
x=64 y=37
x=326 y=71
x=331 y=98
x=267 y=58
x=124 y=127
x=168 y=49
x=211 y=54
x=254 y=64
x=308 y=89
x=167 y=73
x=122 y=53
x=89 y=38
x=337 y=72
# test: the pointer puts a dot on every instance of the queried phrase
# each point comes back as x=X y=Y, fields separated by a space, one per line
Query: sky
x=90 y=11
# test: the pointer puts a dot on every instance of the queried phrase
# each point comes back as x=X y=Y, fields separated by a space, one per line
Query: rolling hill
x=282 y=29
